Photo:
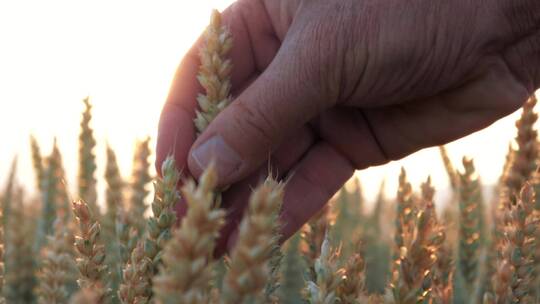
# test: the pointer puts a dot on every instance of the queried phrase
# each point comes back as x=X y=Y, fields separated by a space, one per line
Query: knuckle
x=523 y=61
x=255 y=121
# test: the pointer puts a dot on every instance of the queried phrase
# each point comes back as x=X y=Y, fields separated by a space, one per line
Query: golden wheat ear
x=250 y=258
x=146 y=257
x=187 y=258
x=415 y=268
x=57 y=267
x=91 y=261
x=86 y=181
x=214 y=72
x=515 y=281
x=470 y=208
x=524 y=160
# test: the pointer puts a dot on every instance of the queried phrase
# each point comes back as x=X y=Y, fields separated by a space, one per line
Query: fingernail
x=216 y=149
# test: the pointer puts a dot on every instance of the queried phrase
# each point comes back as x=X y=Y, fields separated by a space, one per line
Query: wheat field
x=115 y=248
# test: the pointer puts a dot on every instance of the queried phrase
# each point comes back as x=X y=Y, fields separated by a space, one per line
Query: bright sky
x=123 y=54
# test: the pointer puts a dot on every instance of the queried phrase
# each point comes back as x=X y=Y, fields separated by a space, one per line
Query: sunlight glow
x=123 y=55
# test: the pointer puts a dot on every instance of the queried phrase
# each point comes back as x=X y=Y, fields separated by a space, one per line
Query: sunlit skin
x=322 y=88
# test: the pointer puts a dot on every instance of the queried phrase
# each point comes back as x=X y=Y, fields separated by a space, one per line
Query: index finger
x=254 y=46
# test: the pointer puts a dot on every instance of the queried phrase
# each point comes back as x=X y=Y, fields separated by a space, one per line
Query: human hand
x=322 y=88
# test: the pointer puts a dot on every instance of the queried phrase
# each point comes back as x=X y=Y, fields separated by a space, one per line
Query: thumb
x=242 y=137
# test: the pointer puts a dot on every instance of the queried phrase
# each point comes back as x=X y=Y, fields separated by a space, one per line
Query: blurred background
x=123 y=55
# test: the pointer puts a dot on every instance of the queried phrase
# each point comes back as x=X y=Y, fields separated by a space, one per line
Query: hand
x=322 y=88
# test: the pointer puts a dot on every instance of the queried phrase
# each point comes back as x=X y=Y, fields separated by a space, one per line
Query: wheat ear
x=328 y=277
x=91 y=261
x=250 y=259
x=416 y=265
x=87 y=159
x=352 y=286
x=214 y=73
x=146 y=257
x=514 y=280
x=470 y=194
x=405 y=213
x=449 y=167
x=37 y=161
x=524 y=160
x=187 y=257
x=57 y=268
x=140 y=180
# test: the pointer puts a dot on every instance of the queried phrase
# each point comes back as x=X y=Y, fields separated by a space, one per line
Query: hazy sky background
x=123 y=55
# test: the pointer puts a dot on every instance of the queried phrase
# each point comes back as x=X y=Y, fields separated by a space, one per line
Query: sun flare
x=123 y=55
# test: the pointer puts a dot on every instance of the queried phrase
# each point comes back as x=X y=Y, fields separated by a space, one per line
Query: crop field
x=85 y=247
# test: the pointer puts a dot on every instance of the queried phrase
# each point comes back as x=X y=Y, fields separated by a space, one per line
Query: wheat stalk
x=187 y=257
x=250 y=259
